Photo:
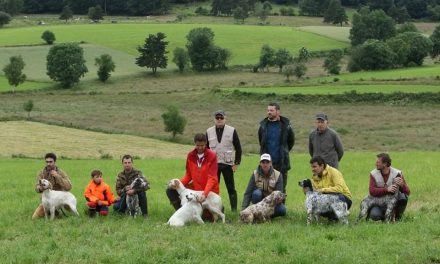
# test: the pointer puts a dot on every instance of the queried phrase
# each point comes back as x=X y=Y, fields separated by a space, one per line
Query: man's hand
x=99 y=203
x=201 y=198
x=131 y=192
x=53 y=173
x=393 y=188
x=398 y=181
x=234 y=167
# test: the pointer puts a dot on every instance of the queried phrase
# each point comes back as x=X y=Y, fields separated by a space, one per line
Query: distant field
x=35 y=59
x=338 y=33
x=244 y=41
x=27 y=85
x=31 y=139
x=427 y=71
x=338 y=89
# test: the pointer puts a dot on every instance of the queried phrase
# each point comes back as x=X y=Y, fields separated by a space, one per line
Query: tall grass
x=117 y=239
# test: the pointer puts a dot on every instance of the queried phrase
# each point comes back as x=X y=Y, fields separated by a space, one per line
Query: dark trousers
x=284 y=173
x=377 y=213
x=121 y=205
x=228 y=175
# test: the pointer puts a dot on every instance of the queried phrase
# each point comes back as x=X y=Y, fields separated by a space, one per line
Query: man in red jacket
x=201 y=171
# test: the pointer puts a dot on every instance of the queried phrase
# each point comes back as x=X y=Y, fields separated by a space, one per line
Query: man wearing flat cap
x=223 y=139
x=325 y=142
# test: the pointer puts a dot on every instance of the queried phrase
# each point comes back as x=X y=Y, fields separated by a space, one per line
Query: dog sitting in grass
x=191 y=211
x=133 y=208
x=53 y=200
x=262 y=211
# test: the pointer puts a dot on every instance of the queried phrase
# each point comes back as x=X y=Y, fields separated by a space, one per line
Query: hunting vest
x=266 y=184
x=224 y=149
x=377 y=175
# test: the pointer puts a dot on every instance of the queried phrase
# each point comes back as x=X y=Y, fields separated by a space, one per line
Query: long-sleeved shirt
x=326 y=144
x=60 y=182
x=331 y=181
x=125 y=178
x=99 y=192
x=381 y=191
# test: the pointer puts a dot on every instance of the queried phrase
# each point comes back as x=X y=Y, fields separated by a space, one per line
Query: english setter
x=53 y=200
x=213 y=201
x=132 y=201
x=263 y=210
x=191 y=211
x=319 y=203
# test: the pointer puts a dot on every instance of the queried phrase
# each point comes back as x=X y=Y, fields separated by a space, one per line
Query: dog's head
x=44 y=184
x=275 y=198
x=192 y=197
x=246 y=216
x=174 y=184
x=138 y=183
x=306 y=184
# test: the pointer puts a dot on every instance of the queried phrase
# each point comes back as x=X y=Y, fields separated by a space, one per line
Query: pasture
x=243 y=41
x=114 y=239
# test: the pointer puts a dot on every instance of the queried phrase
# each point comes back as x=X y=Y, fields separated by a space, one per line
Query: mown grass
x=342 y=88
x=26 y=86
x=338 y=33
x=35 y=58
x=114 y=239
x=243 y=41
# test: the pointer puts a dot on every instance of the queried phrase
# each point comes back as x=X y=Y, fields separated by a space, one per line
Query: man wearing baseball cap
x=325 y=142
x=264 y=180
x=223 y=139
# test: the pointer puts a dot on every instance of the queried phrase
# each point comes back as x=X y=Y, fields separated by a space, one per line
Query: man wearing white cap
x=264 y=180
x=223 y=139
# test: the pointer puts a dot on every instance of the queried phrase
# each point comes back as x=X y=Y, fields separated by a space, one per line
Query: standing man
x=223 y=139
x=327 y=179
x=264 y=180
x=277 y=138
x=201 y=172
x=58 y=178
x=123 y=181
x=385 y=180
x=325 y=142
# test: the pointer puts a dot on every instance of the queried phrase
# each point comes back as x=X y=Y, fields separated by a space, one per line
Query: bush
x=48 y=36
x=173 y=121
x=5 y=18
x=201 y=11
x=284 y=11
x=28 y=107
x=180 y=58
x=372 y=55
x=105 y=66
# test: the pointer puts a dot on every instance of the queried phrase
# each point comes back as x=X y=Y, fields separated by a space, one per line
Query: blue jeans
x=257 y=196
x=121 y=205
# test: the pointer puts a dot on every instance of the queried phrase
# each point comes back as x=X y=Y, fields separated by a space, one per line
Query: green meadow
x=342 y=88
x=27 y=85
x=243 y=41
x=114 y=239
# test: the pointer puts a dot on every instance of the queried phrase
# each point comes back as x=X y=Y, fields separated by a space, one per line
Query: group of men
x=218 y=152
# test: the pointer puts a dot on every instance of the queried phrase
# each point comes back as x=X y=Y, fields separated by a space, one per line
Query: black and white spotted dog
x=319 y=203
x=387 y=201
x=133 y=208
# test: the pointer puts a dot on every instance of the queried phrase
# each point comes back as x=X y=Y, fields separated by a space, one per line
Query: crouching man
x=383 y=181
x=264 y=180
x=123 y=188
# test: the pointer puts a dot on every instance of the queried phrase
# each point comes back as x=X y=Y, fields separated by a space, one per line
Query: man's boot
x=233 y=201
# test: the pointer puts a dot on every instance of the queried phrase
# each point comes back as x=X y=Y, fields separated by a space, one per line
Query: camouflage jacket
x=60 y=182
x=126 y=178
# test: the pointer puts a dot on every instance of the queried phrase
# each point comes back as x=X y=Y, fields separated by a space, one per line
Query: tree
x=14 y=71
x=282 y=57
x=5 y=18
x=96 y=13
x=66 y=14
x=66 y=64
x=262 y=11
x=105 y=66
x=435 y=38
x=303 y=55
x=335 y=13
x=28 y=107
x=419 y=47
x=372 y=55
x=173 y=121
x=332 y=62
x=267 y=57
x=399 y=14
x=407 y=27
x=180 y=58
x=288 y=71
x=371 y=25
x=152 y=53
x=299 y=70
x=312 y=7
x=240 y=14
x=48 y=36
x=12 y=7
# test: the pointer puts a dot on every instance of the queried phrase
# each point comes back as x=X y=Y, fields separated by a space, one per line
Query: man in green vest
x=264 y=180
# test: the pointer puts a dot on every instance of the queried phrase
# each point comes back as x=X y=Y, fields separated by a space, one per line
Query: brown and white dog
x=53 y=200
x=263 y=210
x=213 y=201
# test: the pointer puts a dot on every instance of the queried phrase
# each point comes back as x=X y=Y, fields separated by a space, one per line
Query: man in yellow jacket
x=327 y=179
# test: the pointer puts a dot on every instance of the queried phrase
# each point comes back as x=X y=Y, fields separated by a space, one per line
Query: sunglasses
x=219 y=118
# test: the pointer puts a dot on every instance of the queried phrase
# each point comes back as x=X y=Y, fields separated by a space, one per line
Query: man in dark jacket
x=277 y=138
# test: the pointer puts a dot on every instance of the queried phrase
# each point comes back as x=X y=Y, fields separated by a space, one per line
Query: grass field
x=338 y=89
x=26 y=86
x=338 y=33
x=115 y=239
x=243 y=41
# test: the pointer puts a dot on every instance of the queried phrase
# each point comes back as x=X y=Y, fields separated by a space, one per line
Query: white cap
x=265 y=156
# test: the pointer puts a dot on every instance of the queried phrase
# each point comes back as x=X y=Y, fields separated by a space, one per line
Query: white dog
x=53 y=200
x=191 y=211
x=213 y=202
